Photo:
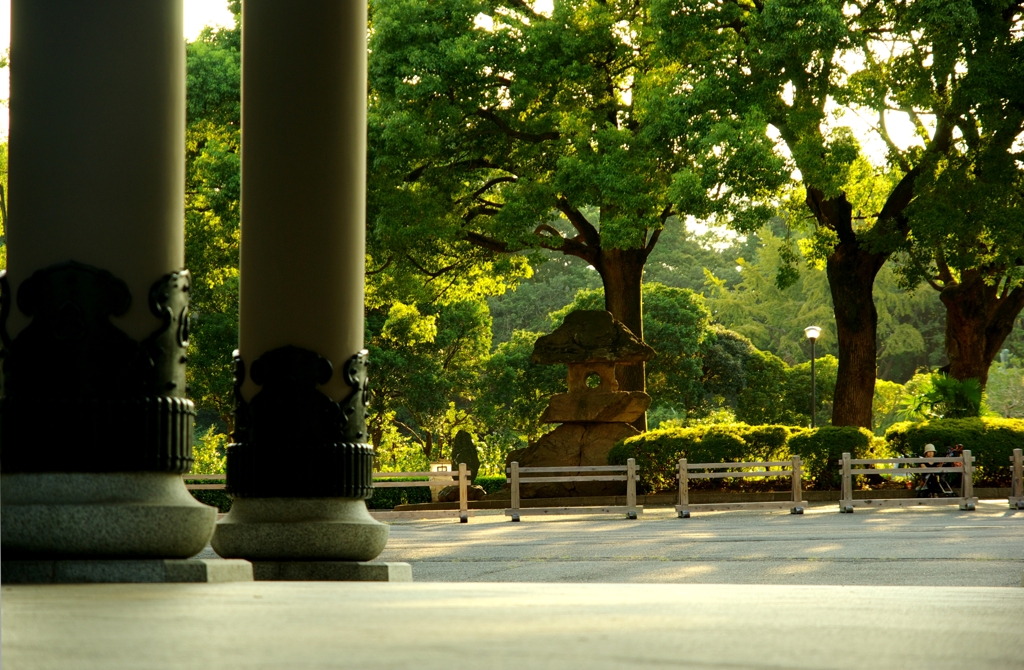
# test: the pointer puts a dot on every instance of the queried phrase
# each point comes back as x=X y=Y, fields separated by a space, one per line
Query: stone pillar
x=299 y=467
x=96 y=428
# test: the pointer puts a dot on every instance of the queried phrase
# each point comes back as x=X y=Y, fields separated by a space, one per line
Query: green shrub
x=388 y=498
x=822 y=448
x=214 y=497
x=490 y=483
x=658 y=451
x=991 y=441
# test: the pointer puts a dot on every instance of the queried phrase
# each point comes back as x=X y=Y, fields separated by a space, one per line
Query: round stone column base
x=118 y=515
x=300 y=529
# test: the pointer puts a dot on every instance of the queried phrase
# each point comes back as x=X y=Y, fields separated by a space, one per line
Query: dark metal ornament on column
x=78 y=389
x=289 y=415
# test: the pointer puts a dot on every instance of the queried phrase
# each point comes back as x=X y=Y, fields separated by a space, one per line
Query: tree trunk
x=622 y=272
x=851 y=271
x=851 y=277
x=979 y=317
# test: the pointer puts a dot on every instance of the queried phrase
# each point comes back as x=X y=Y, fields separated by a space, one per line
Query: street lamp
x=812 y=333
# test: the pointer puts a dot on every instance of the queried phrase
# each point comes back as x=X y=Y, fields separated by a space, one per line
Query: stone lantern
x=594 y=414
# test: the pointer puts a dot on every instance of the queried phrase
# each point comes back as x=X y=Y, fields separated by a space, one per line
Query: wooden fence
x=461 y=476
x=1017 y=483
x=908 y=467
x=542 y=475
x=684 y=475
x=446 y=476
x=202 y=487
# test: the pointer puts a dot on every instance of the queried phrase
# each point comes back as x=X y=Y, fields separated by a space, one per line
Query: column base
x=120 y=515
x=330 y=571
x=145 y=571
x=299 y=529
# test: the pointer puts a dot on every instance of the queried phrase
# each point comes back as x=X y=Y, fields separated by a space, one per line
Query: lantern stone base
x=129 y=571
x=299 y=529
x=331 y=571
x=85 y=516
x=573 y=444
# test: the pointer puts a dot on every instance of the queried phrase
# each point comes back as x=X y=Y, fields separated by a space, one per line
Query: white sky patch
x=725 y=235
x=484 y=22
x=545 y=7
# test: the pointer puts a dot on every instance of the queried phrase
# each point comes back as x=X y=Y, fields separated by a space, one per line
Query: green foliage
x=657 y=452
x=389 y=497
x=513 y=393
x=497 y=128
x=822 y=448
x=212 y=212
x=943 y=397
x=209 y=453
x=425 y=361
x=991 y=441
x=1005 y=391
x=213 y=497
x=885 y=409
x=491 y=483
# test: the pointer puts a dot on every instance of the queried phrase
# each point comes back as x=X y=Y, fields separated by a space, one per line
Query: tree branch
x=381 y=268
x=516 y=134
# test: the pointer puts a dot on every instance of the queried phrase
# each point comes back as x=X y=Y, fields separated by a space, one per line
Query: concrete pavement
x=903 y=588
x=428 y=626
x=893 y=546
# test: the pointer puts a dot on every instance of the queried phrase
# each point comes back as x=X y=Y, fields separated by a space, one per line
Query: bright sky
x=198 y=13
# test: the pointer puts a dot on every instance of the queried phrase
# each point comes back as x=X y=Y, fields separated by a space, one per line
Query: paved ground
x=435 y=626
x=893 y=546
x=901 y=588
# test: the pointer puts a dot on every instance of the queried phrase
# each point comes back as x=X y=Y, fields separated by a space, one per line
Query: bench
x=684 y=475
x=908 y=467
x=542 y=475
x=1017 y=483
x=461 y=476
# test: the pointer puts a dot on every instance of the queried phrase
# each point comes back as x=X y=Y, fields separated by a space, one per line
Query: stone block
x=596 y=407
x=573 y=444
x=331 y=571
x=451 y=493
x=143 y=571
x=590 y=336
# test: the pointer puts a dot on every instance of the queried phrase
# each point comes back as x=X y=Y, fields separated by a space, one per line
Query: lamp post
x=812 y=333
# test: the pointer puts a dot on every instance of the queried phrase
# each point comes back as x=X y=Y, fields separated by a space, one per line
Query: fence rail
x=433 y=478
x=461 y=476
x=684 y=474
x=906 y=468
x=515 y=479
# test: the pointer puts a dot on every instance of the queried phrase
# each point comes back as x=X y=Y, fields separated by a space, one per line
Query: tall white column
x=300 y=371
x=96 y=427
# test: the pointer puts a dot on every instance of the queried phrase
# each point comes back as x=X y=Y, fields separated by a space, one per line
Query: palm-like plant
x=945 y=397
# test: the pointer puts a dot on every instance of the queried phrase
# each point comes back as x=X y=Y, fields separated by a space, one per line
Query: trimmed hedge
x=213 y=497
x=991 y=441
x=388 y=498
x=657 y=451
x=821 y=448
x=490 y=483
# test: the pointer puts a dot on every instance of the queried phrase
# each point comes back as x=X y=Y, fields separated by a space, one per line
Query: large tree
x=967 y=223
x=212 y=214
x=495 y=128
x=802 y=63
